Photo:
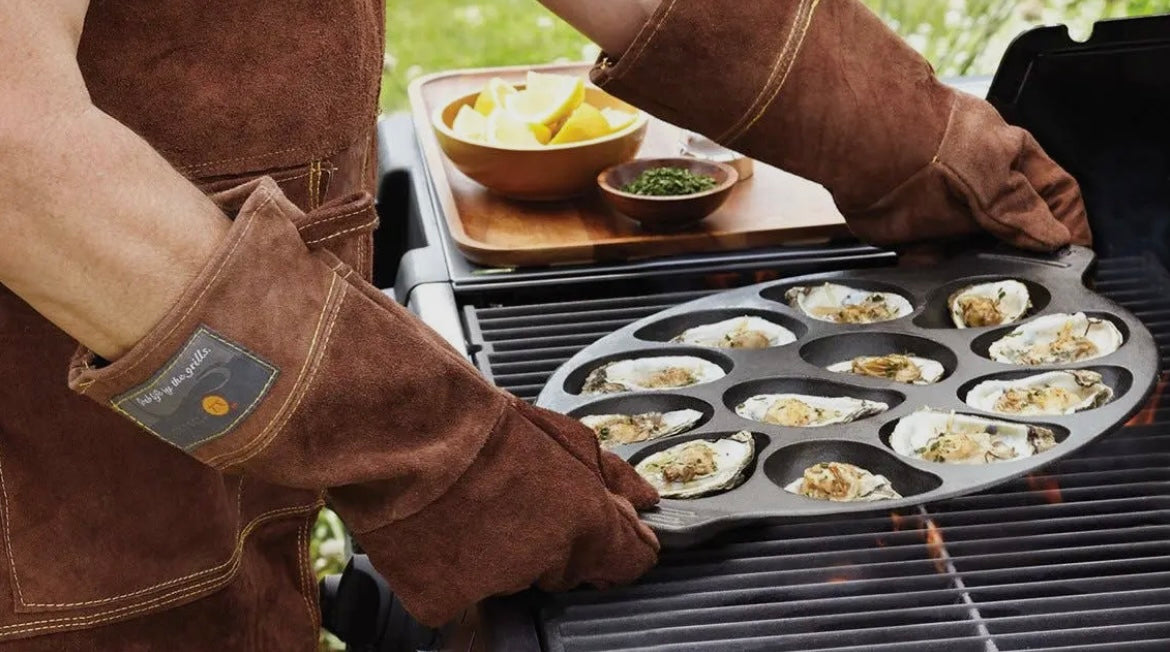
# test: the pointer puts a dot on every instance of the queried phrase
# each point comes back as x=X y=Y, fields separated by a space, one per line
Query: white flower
x=544 y=22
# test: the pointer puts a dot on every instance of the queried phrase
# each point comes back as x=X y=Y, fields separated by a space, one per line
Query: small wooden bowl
x=669 y=213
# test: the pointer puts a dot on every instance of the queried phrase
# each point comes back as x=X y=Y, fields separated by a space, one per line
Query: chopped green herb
x=669 y=182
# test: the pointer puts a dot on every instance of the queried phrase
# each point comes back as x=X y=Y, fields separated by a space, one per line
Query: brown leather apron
x=113 y=540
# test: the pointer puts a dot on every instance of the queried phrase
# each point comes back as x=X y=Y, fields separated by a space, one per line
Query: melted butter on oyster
x=896 y=367
x=700 y=467
x=989 y=304
x=840 y=482
x=747 y=332
x=846 y=305
x=1057 y=339
x=1054 y=392
x=655 y=373
x=618 y=429
x=807 y=411
x=950 y=438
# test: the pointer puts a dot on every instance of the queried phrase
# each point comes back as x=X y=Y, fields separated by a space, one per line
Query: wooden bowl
x=669 y=213
x=547 y=173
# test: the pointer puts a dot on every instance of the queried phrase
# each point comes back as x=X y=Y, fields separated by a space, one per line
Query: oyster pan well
x=618 y=429
x=1050 y=393
x=1057 y=339
x=842 y=304
x=952 y=438
x=699 y=467
x=842 y=483
x=806 y=410
x=895 y=366
x=745 y=332
x=989 y=304
x=651 y=373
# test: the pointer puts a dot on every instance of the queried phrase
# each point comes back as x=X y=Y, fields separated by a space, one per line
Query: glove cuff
x=278 y=361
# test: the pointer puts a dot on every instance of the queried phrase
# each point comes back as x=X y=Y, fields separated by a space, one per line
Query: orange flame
x=934 y=546
x=1146 y=416
x=897 y=521
x=1047 y=486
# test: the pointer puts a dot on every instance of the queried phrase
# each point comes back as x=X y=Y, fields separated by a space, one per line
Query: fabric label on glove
x=202 y=393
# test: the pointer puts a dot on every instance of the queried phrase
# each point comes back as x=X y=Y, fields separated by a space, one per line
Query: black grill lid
x=1099 y=107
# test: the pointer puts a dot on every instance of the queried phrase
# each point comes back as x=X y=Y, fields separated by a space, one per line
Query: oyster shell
x=617 y=429
x=1057 y=339
x=989 y=304
x=895 y=366
x=842 y=483
x=747 y=332
x=1054 y=392
x=699 y=467
x=950 y=438
x=807 y=411
x=845 y=305
x=654 y=373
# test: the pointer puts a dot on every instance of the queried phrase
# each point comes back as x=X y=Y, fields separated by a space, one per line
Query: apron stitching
x=303 y=569
x=336 y=217
x=141 y=607
x=341 y=233
x=16 y=577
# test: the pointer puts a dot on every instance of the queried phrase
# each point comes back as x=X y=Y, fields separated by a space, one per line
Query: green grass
x=960 y=37
x=424 y=36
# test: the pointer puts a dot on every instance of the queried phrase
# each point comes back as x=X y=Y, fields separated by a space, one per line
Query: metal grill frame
x=1017 y=567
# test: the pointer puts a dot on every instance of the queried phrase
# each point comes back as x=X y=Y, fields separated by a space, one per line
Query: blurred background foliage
x=960 y=37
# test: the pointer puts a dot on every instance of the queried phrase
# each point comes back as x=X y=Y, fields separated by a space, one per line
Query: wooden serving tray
x=771 y=208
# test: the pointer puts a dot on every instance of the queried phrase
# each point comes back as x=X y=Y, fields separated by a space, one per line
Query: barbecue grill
x=1075 y=556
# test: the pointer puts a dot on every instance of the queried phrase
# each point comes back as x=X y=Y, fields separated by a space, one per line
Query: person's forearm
x=612 y=24
x=98 y=233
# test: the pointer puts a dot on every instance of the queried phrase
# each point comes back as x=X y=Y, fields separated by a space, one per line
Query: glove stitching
x=785 y=60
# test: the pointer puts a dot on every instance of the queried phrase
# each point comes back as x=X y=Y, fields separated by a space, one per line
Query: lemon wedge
x=547 y=98
x=506 y=130
x=618 y=119
x=494 y=94
x=585 y=123
x=469 y=124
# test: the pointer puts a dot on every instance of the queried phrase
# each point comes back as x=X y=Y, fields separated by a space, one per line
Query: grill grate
x=1076 y=558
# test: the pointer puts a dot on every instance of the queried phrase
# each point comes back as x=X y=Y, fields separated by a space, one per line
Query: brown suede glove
x=280 y=363
x=823 y=89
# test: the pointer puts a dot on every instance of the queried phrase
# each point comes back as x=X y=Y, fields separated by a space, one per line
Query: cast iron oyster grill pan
x=1056 y=284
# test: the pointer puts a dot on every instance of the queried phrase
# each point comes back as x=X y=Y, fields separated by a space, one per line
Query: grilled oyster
x=989 y=304
x=950 y=438
x=845 y=305
x=662 y=372
x=617 y=429
x=747 y=332
x=842 y=483
x=1055 y=392
x=1057 y=339
x=807 y=411
x=699 y=467
x=897 y=367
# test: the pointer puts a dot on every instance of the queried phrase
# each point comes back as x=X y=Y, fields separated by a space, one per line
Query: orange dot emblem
x=216 y=406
